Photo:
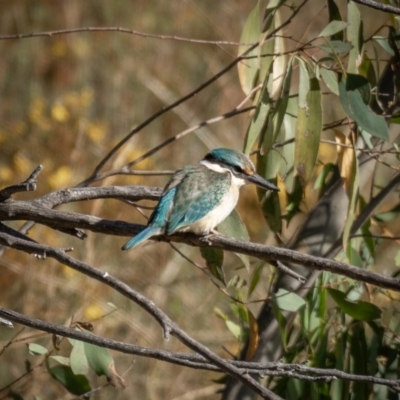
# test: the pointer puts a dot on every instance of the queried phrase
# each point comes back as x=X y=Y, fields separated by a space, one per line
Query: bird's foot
x=206 y=238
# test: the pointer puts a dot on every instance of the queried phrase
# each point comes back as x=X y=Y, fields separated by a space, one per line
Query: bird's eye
x=237 y=170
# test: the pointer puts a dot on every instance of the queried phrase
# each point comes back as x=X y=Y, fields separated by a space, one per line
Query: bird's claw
x=206 y=238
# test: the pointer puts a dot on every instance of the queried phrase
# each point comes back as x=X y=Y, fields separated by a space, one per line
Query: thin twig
x=122 y=30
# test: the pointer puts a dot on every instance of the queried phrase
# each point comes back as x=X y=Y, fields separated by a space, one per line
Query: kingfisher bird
x=198 y=197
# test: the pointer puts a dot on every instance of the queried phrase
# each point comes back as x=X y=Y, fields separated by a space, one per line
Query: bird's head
x=238 y=164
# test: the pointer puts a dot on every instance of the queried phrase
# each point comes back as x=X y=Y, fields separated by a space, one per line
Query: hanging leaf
x=354 y=95
x=348 y=168
x=308 y=132
x=36 y=349
x=354 y=36
x=331 y=80
x=254 y=338
x=334 y=15
x=333 y=27
x=79 y=363
x=75 y=384
x=248 y=69
x=288 y=301
x=278 y=112
x=366 y=69
x=214 y=259
x=258 y=121
x=336 y=47
x=384 y=43
x=62 y=360
x=234 y=328
x=102 y=363
x=255 y=278
x=361 y=310
x=233 y=226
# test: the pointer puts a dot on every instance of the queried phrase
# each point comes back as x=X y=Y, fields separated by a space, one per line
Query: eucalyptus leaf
x=336 y=46
x=361 y=310
x=233 y=226
x=75 y=384
x=352 y=91
x=308 y=133
x=288 y=301
x=333 y=27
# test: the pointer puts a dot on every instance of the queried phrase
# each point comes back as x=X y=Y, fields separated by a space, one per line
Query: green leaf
x=36 y=349
x=234 y=329
x=334 y=15
x=333 y=27
x=288 y=301
x=354 y=257
x=214 y=259
x=99 y=359
x=62 y=360
x=233 y=226
x=336 y=46
x=354 y=36
x=321 y=179
x=75 y=384
x=331 y=80
x=384 y=43
x=366 y=69
x=282 y=323
x=353 y=90
x=79 y=362
x=269 y=201
x=249 y=68
x=258 y=121
x=361 y=310
x=255 y=278
x=308 y=132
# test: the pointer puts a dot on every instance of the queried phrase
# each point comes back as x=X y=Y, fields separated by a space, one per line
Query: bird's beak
x=261 y=182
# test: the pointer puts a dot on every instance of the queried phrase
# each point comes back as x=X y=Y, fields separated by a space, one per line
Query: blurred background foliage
x=66 y=100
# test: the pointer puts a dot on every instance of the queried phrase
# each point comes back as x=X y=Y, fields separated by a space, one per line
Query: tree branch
x=69 y=221
x=26 y=186
x=379 y=6
x=197 y=361
x=121 y=30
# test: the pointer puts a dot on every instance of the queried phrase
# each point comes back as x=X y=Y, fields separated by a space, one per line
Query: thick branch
x=196 y=361
x=31 y=211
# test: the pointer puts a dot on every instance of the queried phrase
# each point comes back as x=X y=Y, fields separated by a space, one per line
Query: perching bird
x=199 y=197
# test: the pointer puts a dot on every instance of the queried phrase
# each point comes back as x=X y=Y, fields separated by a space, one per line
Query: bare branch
x=197 y=361
x=24 y=210
x=26 y=186
x=122 y=30
x=379 y=6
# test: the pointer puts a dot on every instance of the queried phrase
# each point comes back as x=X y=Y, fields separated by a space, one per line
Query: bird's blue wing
x=156 y=222
x=162 y=211
x=197 y=194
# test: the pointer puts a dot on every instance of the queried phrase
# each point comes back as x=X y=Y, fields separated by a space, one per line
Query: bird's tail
x=141 y=237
